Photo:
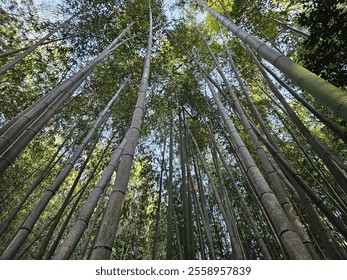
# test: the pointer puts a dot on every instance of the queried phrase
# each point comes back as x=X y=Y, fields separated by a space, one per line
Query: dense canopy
x=150 y=129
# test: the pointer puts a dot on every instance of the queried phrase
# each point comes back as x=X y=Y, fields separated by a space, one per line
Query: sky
x=47 y=6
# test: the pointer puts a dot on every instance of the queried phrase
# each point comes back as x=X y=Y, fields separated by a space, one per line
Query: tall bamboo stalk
x=91 y=176
x=186 y=211
x=107 y=232
x=169 y=231
x=157 y=214
x=247 y=211
x=305 y=194
x=237 y=250
x=68 y=197
x=202 y=208
x=325 y=92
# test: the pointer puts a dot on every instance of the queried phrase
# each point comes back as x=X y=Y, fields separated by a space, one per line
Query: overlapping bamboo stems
x=284 y=229
x=7 y=53
x=197 y=212
x=49 y=166
x=37 y=237
x=202 y=208
x=86 y=249
x=246 y=210
x=29 y=50
x=326 y=93
x=271 y=139
x=305 y=194
x=109 y=225
x=332 y=162
x=15 y=141
x=41 y=232
x=311 y=193
x=258 y=236
x=32 y=218
x=329 y=191
x=237 y=249
x=91 y=176
x=263 y=189
x=229 y=209
x=169 y=234
x=194 y=215
x=335 y=193
x=280 y=192
x=178 y=237
x=328 y=123
x=80 y=225
x=306 y=151
x=257 y=26
x=201 y=220
x=55 y=99
x=301 y=196
x=291 y=28
x=159 y=202
x=185 y=192
x=275 y=248
x=256 y=230
x=69 y=195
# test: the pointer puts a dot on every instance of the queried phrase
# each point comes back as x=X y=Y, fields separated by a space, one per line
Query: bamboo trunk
x=107 y=232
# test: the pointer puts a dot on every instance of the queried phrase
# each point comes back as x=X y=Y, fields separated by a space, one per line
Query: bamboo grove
x=132 y=131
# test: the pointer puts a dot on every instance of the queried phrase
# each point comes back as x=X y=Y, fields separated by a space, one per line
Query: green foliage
x=323 y=52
